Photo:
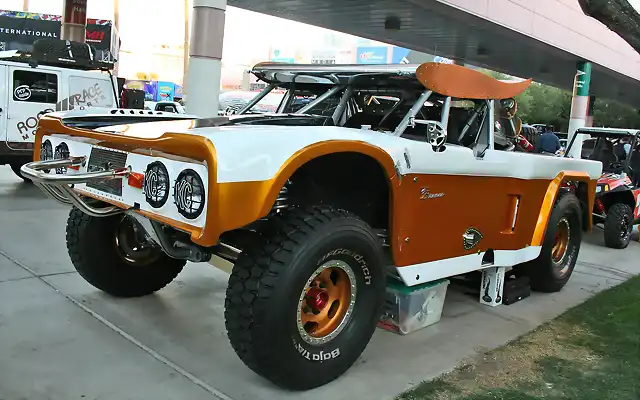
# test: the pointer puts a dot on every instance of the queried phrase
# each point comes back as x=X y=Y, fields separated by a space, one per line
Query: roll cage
x=391 y=96
x=606 y=139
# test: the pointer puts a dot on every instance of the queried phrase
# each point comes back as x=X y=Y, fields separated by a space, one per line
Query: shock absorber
x=282 y=202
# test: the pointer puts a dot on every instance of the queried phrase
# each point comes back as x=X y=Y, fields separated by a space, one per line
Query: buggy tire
x=549 y=272
x=618 y=226
x=264 y=301
x=15 y=167
x=94 y=252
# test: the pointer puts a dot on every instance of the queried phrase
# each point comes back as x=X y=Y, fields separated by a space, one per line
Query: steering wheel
x=616 y=164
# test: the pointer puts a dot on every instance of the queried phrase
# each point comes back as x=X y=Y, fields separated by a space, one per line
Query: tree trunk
x=618 y=15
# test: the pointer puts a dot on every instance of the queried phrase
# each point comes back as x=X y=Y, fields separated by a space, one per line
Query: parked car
x=31 y=88
x=314 y=208
x=616 y=201
x=165 y=106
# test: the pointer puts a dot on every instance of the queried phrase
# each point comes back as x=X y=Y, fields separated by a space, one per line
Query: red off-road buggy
x=616 y=205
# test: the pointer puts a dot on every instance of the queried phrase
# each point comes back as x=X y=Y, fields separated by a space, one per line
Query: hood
x=153 y=124
x=614 y=180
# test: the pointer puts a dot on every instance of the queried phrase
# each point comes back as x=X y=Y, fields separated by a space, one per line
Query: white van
x=27 y=93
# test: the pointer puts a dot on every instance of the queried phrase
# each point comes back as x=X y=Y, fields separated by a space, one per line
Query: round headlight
x=156 y=184
x=189 y=194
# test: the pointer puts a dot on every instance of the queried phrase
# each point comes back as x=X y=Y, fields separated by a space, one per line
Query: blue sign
x=399 y=55
x=289 y=60
x=442 y=60
x=371 y=55
x=166 y=91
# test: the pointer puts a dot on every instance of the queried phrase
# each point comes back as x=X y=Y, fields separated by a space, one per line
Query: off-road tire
x=542 y=271
x=613 y=235
x=93 y=252
x=261 y=306
x=15 y=167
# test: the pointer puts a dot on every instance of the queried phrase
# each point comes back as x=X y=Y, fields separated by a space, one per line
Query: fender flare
x=309 y=153
x=550 y=198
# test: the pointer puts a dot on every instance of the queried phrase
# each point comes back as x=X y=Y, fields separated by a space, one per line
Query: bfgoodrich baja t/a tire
x=110 y=254
x=559 y=253
x=302 y=305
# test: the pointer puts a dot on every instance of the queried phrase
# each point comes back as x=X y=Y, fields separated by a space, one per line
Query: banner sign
x=442 y=60
x=166 y=91
x=75 y=12
x=399 y=55
x=18 y=31
x=371 y=55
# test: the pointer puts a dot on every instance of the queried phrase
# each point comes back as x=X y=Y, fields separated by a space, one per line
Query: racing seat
x=618 y=151
x=604 y=153
x=362 y=118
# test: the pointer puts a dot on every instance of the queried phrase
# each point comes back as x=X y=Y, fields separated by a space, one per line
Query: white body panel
x=3 y=99
x=138 y=163
x=427 y=272
x=256 y=153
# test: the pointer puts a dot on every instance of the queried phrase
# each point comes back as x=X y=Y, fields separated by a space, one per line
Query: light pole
x=205 y=57
x=579 y=106
x=185 y=66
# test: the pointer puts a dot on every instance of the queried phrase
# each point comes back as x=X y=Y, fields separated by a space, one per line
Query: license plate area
x=103 y=160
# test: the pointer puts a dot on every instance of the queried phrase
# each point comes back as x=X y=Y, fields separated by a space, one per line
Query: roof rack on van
x=59 y=53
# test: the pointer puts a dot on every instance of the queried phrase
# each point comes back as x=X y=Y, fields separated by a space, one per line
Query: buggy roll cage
x=610 y=133
x=342 y=78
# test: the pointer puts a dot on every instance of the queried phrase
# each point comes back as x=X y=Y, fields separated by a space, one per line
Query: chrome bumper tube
x=57 y=186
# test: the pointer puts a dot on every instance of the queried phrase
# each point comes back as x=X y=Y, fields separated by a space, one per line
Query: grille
x=102 y=160
x=189 y=194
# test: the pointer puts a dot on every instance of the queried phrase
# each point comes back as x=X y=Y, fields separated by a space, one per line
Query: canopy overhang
x=510 y=38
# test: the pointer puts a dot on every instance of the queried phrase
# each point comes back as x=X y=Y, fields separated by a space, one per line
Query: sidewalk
x=62 y=339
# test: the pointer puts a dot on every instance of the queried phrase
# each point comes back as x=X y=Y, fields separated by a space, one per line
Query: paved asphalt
x=62 y=339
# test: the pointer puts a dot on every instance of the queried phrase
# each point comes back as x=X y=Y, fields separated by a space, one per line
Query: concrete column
x=205 y=55
x=185 y=54
x=579 y=106
x=74 y=20
x=592 y=104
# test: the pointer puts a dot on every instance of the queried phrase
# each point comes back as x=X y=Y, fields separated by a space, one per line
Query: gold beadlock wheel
x=561 y=244
x=326 y=302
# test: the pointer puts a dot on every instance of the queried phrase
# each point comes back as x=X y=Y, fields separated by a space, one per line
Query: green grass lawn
x=592 y=352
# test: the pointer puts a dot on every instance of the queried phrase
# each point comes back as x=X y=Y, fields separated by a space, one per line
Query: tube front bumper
x=60 y=187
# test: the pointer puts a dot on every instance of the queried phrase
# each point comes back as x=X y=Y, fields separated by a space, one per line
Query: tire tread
x=254 y=281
